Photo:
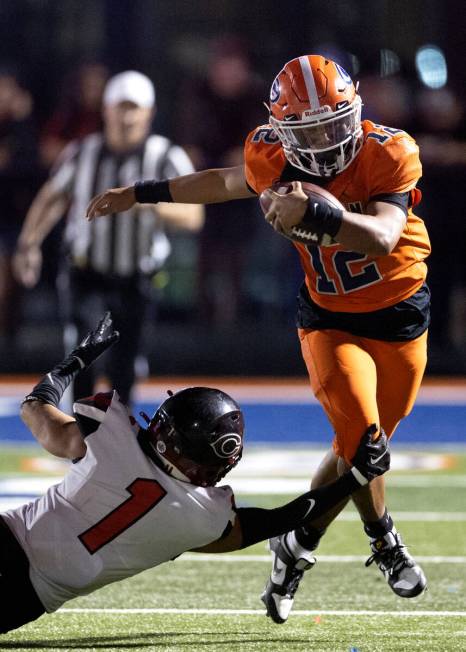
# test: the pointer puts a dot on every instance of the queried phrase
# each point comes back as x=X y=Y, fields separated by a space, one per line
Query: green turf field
x=211 y=603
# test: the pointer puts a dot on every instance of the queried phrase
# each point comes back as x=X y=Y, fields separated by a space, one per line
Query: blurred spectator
x=441 y=137
x=215 y=114
x=18 y=182
x=386 y=101
x=79 y=112
x=110 y=262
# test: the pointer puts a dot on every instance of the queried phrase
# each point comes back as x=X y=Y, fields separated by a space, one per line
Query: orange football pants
x=361 y=381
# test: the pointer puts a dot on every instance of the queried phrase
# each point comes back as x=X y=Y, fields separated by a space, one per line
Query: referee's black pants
x=18 y=599
x=84 y=297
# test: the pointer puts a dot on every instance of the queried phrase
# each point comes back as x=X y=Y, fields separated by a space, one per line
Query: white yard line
x=281 y=485
x=332 y=559
x=261 y=612
x=29 y=487
x=412 y=516
x=13 y=501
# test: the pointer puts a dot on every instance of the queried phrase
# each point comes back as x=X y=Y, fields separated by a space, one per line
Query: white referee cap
x=130 y=86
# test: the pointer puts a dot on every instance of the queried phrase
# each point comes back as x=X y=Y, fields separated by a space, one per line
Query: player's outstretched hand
x=372 y=457
x=115 y=200
x=96 y=341
x=51 y=387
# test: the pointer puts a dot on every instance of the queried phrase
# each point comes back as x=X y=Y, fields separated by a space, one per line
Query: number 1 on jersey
x=145 y=494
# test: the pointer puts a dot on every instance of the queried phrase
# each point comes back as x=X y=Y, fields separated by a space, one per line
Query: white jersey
x=115 y=513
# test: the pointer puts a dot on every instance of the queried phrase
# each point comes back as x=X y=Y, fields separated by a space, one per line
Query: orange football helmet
x=315 y=110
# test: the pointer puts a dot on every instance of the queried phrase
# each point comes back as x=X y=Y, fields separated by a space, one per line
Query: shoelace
x=392 y=558
x=293 y=584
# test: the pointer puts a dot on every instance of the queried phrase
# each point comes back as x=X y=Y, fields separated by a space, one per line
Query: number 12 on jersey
x=144 y=495
x=341 y=267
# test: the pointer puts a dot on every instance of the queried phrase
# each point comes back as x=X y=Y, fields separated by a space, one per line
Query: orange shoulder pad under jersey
x=264 y=158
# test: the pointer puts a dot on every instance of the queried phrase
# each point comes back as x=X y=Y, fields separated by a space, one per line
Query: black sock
x=378 y=529
x=308 y=537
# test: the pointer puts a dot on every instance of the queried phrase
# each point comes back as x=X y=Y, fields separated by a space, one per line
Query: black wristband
x=49 y=390
x=151 y=192
x=51 y=387
x=323 y=217
x=31 y=398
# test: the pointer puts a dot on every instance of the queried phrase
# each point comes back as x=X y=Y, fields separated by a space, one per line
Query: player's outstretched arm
x=205 y=187
x=254 y=524
x=55 y=431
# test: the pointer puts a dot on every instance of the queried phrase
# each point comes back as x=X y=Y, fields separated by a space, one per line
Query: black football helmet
x=198 y=435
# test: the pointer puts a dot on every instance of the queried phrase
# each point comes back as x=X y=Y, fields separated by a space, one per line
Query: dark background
x=169 y=40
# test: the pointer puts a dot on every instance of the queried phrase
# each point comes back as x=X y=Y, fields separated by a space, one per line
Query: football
x=311 y=190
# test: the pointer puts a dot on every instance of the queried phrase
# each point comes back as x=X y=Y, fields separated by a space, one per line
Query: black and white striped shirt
x=122 y=244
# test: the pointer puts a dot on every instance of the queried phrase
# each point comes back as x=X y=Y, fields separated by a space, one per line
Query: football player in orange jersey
x=363 y=310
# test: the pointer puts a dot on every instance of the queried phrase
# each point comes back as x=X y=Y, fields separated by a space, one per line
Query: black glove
x=320 y=224
x=372 y=457
x=50 y=389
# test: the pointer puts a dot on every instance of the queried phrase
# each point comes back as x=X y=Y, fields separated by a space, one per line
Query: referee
x=109 y=262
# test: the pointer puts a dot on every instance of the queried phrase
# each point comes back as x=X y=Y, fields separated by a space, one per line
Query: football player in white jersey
x=136 y=496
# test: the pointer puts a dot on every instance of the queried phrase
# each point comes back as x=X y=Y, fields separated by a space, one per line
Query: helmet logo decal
x=343 y=74
x=341 y=105
x=161 y=447
x=275 y=90
x=227 y=445
x=321 y=109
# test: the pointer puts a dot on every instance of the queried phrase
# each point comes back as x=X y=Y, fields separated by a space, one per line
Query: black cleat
x=404 y=576
x=287 y=571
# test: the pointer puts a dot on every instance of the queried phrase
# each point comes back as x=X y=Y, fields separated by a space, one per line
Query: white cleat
x=404 y=576
x=287 y=572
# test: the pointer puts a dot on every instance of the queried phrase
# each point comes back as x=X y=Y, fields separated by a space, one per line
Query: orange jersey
x=338 y=279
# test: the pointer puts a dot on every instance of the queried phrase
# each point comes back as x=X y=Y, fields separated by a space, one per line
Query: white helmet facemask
x=324 y=143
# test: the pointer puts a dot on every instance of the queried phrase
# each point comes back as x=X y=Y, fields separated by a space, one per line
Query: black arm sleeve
x=151 y=192
x=51 y=387
x=400 y=199
x=259 y=524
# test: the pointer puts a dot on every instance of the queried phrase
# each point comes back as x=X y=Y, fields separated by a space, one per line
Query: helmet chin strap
x=332 y=171
x=170 y=469
x=151 y=450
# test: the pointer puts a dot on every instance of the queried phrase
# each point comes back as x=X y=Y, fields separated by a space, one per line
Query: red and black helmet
x=198 y=435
